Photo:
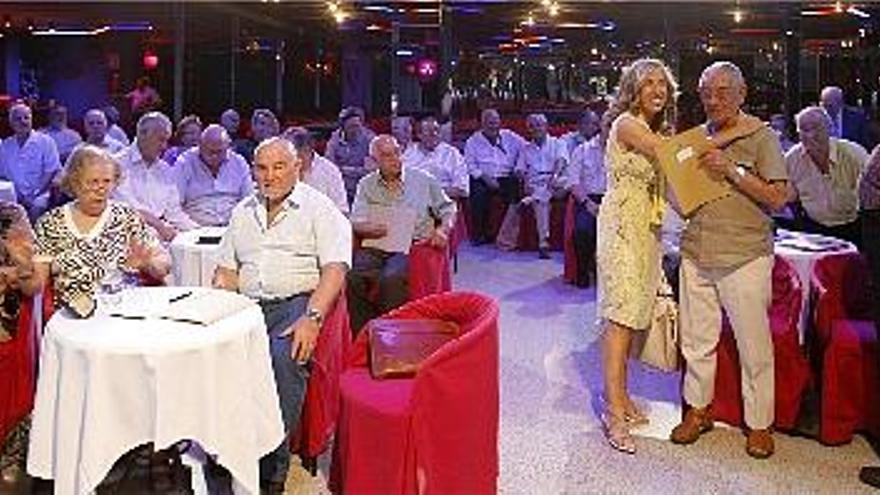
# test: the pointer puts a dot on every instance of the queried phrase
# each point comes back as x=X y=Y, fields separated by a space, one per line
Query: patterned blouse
x=79 y=260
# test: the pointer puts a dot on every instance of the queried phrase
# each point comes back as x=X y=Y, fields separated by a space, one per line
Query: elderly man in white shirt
x=95 y=127
x=29 y=159
x=587 y=127
x=587 y=183
x=66 y=139
x=542 y=163
x=289 y=247
x=148 y=184
x=212 y=178
x=490 y=154
x=114 y=131
x=824 y=174
x=315 y=170
x=441 y=160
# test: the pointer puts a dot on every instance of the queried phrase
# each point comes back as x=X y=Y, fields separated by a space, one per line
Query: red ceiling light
x=151 y=60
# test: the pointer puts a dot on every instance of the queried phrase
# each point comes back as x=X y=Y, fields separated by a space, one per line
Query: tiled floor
x=550 y=375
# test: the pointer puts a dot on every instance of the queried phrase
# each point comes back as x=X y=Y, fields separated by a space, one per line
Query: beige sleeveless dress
x=628 y=241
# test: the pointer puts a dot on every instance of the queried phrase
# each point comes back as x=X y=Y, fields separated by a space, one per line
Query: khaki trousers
x=745 y=294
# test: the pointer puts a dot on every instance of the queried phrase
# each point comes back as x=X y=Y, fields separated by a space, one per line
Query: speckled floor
x=551 y=441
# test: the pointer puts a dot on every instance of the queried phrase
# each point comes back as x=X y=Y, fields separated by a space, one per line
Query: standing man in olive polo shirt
x=727 y=261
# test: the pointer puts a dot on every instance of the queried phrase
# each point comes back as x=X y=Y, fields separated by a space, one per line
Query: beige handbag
x=661 y=340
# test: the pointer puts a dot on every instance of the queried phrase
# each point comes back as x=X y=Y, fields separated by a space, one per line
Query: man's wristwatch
x=315 y=315
x=739 y=172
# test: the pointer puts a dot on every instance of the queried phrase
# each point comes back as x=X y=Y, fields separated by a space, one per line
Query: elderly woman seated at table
x=15 y=362
x=80 y=243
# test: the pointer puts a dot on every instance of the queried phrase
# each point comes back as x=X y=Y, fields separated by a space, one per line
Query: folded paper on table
x=200 y=308
x=400 y=222
x=691 y=184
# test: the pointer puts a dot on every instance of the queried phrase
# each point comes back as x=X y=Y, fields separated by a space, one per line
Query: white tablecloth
x=802 y=251
x=109 y=384
x=7 y=191
x=194 y=263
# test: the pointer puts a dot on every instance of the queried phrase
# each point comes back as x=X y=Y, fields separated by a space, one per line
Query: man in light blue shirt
x=288 y=247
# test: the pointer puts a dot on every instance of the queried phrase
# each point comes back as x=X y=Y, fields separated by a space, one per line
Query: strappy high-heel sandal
x=617 y=433
x=635 y=417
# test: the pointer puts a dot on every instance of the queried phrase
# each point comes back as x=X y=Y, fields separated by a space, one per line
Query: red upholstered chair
x=846 y=348
x=429 y=271
x=459 y=231
x=18 y=366
x=570 y=264
x=321 y=405
x=791 y=366
x=435 y=433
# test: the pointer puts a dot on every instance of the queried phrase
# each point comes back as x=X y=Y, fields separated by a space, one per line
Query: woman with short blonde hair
x=81 y=242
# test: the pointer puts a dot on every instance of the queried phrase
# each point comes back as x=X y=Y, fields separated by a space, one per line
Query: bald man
x=30 y=160
x=288 y=247
x=212 y=178
x=391 y=188
x=846 y=122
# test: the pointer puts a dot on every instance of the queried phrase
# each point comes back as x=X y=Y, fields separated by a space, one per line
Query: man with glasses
x=727 y=261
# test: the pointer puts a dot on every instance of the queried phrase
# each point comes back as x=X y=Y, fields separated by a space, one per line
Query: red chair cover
x=791 y=367
x=528 y=229
x=435 y=433
x=570 y=267
x=429 y=271
x=459 y=228
x=846 y=345
x=321 y=405
x=18 y=364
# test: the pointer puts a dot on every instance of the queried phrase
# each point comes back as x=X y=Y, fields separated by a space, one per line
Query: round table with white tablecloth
x=802 y=250
x=108 y=384
x=7 y=191
x=194 y=256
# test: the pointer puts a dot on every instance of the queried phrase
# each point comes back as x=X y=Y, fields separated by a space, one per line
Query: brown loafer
x=759 y=443
x=696 y=422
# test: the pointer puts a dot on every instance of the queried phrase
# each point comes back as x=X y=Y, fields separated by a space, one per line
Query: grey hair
x=485 y=113
x=77 y=161
x=151 y=120
x=215 y=131
x=729 y=68
x=815 y=112
x=378 y=139
x=536 y=118
x=276 y=141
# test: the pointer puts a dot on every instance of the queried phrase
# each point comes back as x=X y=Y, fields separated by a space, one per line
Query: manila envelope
x=691 y=184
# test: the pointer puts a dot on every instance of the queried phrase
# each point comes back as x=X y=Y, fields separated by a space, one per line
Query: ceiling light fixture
x=554 y=9
x=738 y=16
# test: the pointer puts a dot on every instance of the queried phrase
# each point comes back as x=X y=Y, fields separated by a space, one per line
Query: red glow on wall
x=151 y=60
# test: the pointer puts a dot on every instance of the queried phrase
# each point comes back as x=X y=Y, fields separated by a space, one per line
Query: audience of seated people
x=185 y=137
x=95 y=128
x=29 y=159
x=490 y=155
x=587 y=182
x=66 y=139
x=824 y=172
x=542 y=164
x=847 y=122
x=288 y=247
x=148 y=183
x=392 y=187
x=348 y=147
x=211 y=178
x=441 y=160
x=315 y=170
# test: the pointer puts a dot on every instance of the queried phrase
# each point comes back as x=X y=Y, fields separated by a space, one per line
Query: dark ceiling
x=487 y=26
